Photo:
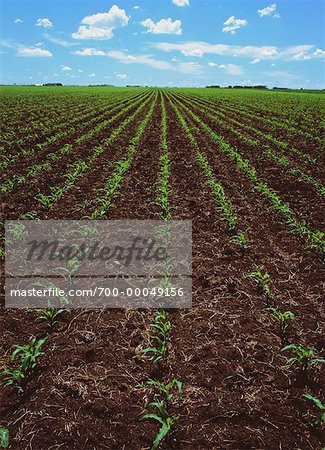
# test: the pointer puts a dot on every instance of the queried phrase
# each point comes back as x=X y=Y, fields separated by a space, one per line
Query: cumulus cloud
x=101 y=26
x=255 y=61
x=269 y=11
x=92 y=75
x=136 y=7
x=66 y=68
x=232 y=24
x=181 y=2
x=18 y=21
x=46 y=23
x=232 y=69
x=212 y=64
x=33 y=51
x=164 y=26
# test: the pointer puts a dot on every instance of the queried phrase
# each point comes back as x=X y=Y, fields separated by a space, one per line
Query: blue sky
x=163 y=42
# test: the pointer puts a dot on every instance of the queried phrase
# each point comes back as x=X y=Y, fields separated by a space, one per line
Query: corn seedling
x=320 y=406
x=163 y=395
x=305 y=357
x=163 y=418
x=159 y=337
x=283 y=317
x=4 y=437
x=165 y=390
x=240 y=239
x=49 y=315
x=262 y=280
x=27 y=357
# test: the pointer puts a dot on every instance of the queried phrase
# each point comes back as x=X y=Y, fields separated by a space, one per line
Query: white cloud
x=148 y=60
x=181 y=2
x=138 y=59
x=92 y=75
x=122 y=76
x=18 y=21
x=233 y=24
x=195 y=52
x=319 y=53
x=164 y=26
x=255 y=61
x=33 y=51
x=136 y=7
x=247 y=51
x=90 y=52
x=46 y=23
x=79 y=70
x=231 y=69
x=303 y=56
x=58 y=41
x=269 y=11
x=101 y=26
x=188 y=68
x=66 y=68
x=39 y=44
x=212 y=64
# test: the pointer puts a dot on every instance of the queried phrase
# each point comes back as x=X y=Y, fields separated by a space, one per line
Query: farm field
x=247 y=167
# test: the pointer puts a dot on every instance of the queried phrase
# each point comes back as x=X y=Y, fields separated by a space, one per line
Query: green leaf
x=160 y=436
x=4 y=437
x=315 y=400
x=153 y=417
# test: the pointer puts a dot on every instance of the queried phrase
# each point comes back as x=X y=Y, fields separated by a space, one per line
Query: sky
x=163 y=42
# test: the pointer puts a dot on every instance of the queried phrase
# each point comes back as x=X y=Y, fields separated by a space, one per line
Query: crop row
x=296 y=110
x=270 y=153
x=314 y=239
x=280 y=145
x=270 y=124
x=20 y=179
x=66 y=131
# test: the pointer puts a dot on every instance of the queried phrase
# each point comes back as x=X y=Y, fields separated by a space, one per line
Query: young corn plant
x=263 y=280
x=304 y=357
x=240 y=239
x=49 y=315
x=163 y=417
x=320 y=406
x=4 y=437
x=27 y=358
x=163 y=394
x=283 y=317
x=159 y=337
x=165 y=390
